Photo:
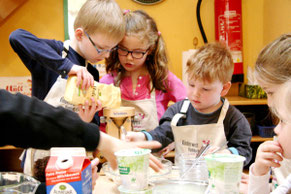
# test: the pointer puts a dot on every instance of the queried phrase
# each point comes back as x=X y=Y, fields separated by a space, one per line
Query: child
x=140 y=68
x=272 y=69
x=205 y=117
x=98 y=27
x=273 y=66
x=269 y=153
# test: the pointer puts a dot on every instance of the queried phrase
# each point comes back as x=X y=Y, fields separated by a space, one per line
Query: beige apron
x=54 y=97
x=146 y=114
x=189 y=138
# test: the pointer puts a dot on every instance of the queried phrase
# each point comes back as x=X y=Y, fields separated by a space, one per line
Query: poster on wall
x=16 y=84
x=71 y=8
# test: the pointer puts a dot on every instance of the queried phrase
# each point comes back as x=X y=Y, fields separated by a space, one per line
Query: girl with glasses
x=139 y=66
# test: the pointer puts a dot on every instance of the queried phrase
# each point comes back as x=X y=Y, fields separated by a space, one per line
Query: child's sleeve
x=238 y=133
x=163 y=133
x=107 y=79
x=177 y=90
x=46 y=52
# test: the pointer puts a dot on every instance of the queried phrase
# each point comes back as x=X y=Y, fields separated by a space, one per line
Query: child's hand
x=108 y=145
x=267 y=156
x=135 y=136
x=167 y=149
x=86 y=112
x=83 y=76
x=95 y=176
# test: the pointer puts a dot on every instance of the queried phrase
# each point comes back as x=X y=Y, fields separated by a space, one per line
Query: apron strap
x=223 y=111
x=182 y=113
x=66 y=49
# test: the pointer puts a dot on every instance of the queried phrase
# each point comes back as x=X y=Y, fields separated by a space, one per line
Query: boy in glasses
x=98 y=27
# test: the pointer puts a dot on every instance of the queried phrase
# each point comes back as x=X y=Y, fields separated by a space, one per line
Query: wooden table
x=105 y=185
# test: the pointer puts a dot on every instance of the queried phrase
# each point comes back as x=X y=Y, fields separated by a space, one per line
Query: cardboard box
x=68 y=171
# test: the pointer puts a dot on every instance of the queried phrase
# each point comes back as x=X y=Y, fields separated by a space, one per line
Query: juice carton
x=68 y=171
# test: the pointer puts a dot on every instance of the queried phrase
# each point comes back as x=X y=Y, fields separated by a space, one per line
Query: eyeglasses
x=134 y=54
x=100 y=51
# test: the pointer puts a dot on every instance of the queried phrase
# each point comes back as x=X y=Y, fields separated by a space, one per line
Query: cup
x=198 y=172
x=225 y=171
x=14 y=182
x=133 y=165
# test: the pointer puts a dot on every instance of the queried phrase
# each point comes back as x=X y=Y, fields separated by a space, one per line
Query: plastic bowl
x=114 y=174
x=179 y=187
x=148 y=190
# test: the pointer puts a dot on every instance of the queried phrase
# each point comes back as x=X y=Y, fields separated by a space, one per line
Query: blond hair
x=101 y=16
x=273 y=64
x=211 y=62
x=141 y=25
x=282 y=101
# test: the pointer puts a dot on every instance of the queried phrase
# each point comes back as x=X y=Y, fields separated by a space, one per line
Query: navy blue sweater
x=43 y=59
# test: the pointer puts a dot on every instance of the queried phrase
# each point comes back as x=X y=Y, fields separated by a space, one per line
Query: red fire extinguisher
x=228 y=29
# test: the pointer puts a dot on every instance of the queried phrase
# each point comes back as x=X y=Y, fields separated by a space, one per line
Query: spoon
x=124 y=132
x=220 y=148
x=200 y=153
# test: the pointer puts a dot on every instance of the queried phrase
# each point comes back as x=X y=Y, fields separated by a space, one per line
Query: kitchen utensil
x=200 y=153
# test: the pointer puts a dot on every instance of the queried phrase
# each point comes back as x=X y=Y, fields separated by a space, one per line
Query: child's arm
x=259 y=175
x=33 y=50
x=238 y=133
x=135 y=136
x=267 y=156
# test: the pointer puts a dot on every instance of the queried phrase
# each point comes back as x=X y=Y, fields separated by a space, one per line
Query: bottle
x=109 y=95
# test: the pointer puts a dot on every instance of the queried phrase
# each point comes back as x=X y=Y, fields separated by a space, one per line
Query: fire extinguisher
x=228 y=29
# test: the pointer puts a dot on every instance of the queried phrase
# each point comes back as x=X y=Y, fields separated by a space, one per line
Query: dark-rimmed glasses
x=100 y=51
x=135 y=54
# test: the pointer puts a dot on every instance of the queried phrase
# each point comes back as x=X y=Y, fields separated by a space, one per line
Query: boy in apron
x=205 y=117
x=98 y=27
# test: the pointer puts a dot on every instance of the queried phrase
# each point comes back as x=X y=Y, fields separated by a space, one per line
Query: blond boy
x=205 y=117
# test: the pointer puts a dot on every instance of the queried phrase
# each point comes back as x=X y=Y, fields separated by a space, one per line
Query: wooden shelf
x=257 y=138
x=8 y=147
x=238 y=100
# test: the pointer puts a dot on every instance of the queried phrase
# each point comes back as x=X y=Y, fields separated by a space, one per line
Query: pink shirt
x=176 y=92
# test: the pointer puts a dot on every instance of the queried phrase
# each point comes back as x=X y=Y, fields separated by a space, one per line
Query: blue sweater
x=43 y=58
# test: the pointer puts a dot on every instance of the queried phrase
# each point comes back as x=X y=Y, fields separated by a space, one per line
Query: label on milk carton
x=68 y=172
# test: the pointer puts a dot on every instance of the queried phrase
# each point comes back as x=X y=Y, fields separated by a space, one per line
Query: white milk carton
x=68 y=171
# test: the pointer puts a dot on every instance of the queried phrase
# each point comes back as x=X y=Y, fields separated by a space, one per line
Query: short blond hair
x=101 y=16
x=211 y=62
x=273 y=64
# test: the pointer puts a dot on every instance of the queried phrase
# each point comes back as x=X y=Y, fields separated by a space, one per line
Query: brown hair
x=39 y=168
x=211 y=62
x=101 y=16
x=140 y=24
x=273 y=64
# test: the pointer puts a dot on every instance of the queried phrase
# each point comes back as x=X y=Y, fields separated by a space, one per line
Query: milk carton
x=68 y=172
